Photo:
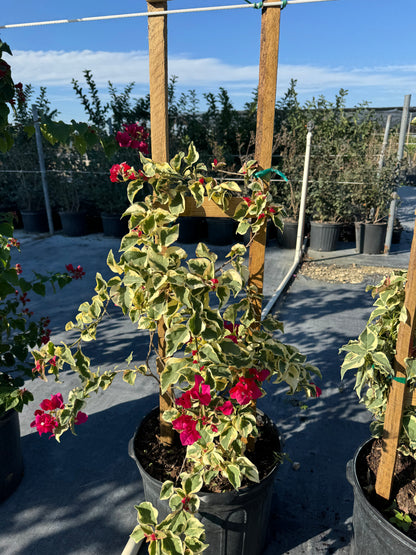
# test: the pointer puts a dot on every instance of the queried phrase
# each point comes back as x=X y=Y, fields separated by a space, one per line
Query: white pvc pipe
x=131 y=547
x=152 y=14
x=300 y=248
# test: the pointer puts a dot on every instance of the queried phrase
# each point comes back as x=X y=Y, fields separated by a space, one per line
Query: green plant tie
x=265 y=173
x=397 y=379
x=257 y=5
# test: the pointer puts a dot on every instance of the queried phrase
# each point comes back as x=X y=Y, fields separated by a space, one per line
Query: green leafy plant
x=401 y=520
x=20 y=331
x=371 y=356
x=218 y=355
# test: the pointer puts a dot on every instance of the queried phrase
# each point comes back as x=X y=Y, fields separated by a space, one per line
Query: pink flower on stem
x=226 y=408
x=259 y=375
x=76 y=273
x=245 y=390
x=317 y=389
x=200 y=391
x=233 y=328
x=248 y=200
x=44 y=423
x=18 y=269
x=55 y=402
x=134 y=136
x=214 y=283
x=186 y=425
x=81 y=418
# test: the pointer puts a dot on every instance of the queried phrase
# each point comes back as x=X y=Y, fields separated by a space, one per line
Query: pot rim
x=375 y=513
x=227 y=496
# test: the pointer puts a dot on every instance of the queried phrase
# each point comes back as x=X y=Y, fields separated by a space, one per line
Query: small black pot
x=74 y=224
x=192 y=229
x=35 y=221
x=324 y=236
x=287 y=239
x=113 y=226
x=374 y=238
x=221 y=231
x=11 y=460
x=373 y=534
x=236 y=522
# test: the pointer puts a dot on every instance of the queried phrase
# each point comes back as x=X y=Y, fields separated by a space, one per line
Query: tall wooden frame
x=158 y=78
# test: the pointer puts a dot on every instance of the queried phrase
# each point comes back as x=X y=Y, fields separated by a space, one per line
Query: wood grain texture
x=398 y=391
x=158 y=81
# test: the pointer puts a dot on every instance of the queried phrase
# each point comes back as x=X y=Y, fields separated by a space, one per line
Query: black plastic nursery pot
x=74 y=224
x=287 y=238
x=191 y=229
x=373 y=534
x=11 y=460
x=35 y=221
x=374 y=238
x=236 y=522
x=114 y=226
x=324 y=236
x=221 y=231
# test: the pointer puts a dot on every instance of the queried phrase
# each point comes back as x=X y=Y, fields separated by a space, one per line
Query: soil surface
x=167 y=462
x=331 y=273
x=403 y=487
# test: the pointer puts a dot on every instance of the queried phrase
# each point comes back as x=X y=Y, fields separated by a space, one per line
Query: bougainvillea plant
x=20 y=330
x=218 y=356
x=371 y=356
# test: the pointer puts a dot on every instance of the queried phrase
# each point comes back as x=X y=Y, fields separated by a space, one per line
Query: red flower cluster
x=186 y=425
x=246 y=389
x=18 y=269
x=200 y=391
x=76 y=273
x=12 y=242
x=135 y=137
x=119 y=171
x=45 y=420
x=46 y=332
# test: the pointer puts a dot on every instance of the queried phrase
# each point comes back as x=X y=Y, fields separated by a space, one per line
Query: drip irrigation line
x=157 y=13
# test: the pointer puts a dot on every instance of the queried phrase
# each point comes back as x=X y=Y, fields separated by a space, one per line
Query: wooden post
x=397 y=394
x=269 y=50
x=158 y=80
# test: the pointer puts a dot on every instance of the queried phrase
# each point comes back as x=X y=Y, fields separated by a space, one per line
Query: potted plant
x=380 y=526
x=20 y=332
x=216 y=359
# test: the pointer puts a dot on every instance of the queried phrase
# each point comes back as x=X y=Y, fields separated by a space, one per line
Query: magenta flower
x=186 y=425
x=245 y=390
x=227 y=408
x=259 y=375
x=55 y=402
x=44 y=423
x=185 y=400
x=81 y=418
x=202 y=393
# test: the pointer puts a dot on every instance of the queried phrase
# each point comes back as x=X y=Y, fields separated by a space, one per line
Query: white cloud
x=381 y=85
x=57 y=67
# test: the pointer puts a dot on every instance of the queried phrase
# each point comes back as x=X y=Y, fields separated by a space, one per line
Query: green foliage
x=19 y=331
x=371 y=356
x=345 y=181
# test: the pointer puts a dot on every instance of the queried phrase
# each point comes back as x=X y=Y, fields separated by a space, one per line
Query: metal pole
x=385 y=142
x=403 y=127
x=302 y=207
x=390 y=223
x=42 y=167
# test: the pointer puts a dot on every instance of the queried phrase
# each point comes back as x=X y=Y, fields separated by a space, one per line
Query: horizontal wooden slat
x=209 y=209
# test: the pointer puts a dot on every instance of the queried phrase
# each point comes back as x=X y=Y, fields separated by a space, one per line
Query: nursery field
x=90 y=480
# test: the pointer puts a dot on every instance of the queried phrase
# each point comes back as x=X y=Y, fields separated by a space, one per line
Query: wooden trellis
x=269 y=47
x=399 y=395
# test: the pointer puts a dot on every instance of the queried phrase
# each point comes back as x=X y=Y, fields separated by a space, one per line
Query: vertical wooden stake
x=158 y=79
x=269 y=51
x=395 y=403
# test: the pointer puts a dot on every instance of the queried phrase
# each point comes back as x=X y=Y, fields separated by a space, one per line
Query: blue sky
x=364 y=46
